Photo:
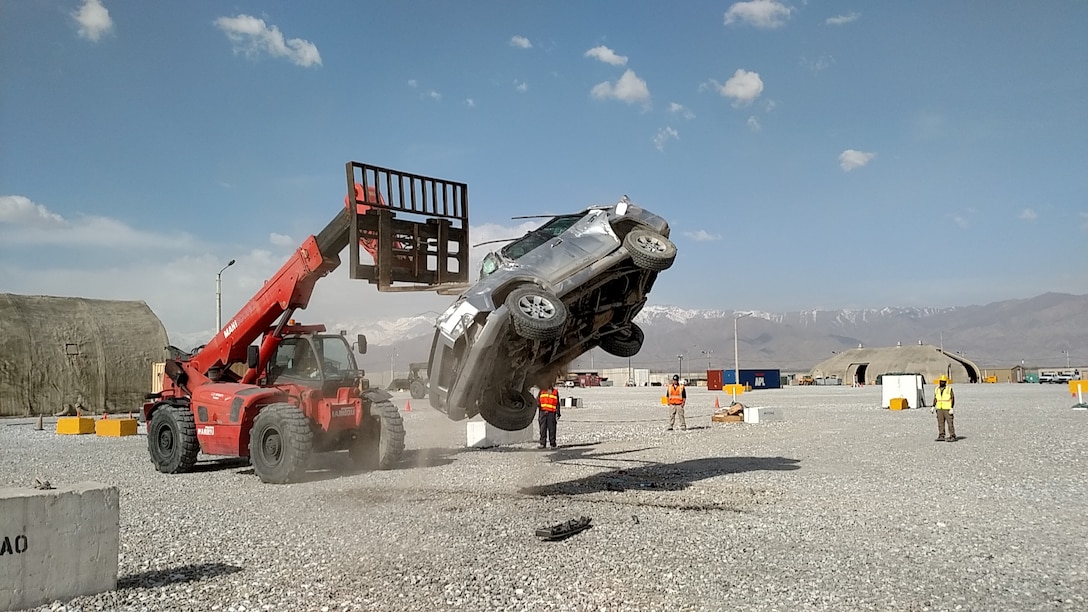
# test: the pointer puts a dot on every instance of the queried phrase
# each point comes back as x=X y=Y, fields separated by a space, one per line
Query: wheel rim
x=537 y=307
x=650 y=244
x=272 y=446
x=166 y=440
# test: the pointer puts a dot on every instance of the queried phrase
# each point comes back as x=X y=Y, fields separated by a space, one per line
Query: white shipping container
x=907 y=386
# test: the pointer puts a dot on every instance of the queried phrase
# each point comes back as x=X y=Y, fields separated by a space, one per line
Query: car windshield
x=518 y=248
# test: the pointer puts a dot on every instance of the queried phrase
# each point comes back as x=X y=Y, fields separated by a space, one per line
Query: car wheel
x=650 y=250
x=280 y=444
x=171 y=439
x=511 y=413
x=537 y=314
x=624 y=343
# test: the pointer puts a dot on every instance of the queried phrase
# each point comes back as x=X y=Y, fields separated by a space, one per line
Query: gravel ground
x=842 y=506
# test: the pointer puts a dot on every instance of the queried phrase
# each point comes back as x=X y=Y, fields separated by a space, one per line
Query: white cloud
x=469 y=102
x=520 y=86
x=753 y=124
x=434 y=95
x=843 y=19
x=20 y=210
x=663 y=136
x=851 y=159
x=629 y=88
x=413 y=83
x=281 y=240
x=520 y=42
x=759 y=13
x=681 y=110
x=743 y=87
x=94 y=20
x=1029 y=214
x=24 y=223
x=702 y=236
x=252 y=36
x=606 y=55
x=960 y=221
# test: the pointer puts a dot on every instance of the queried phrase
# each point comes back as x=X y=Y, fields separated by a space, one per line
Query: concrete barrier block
x=75 y=425
x=57 y=544
x=113 y=428
x=762 y=414
x=482 y=434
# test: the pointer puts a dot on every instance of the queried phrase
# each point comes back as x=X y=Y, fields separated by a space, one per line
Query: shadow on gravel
x=429 y=457
x=663 y=476
x=214 y=465
x=185 y=573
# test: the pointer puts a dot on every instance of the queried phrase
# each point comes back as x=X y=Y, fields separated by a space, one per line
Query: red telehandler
x=299 y=390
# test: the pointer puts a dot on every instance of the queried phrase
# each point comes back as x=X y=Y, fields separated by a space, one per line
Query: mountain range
x=1048 y=330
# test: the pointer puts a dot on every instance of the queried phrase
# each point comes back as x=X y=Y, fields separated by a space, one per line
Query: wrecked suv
x=572 y=284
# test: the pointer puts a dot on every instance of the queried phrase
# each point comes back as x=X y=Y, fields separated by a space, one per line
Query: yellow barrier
x=733 y=389
x=75 y=425
x=115 y=428
x=898 y=403
x=1078 y=386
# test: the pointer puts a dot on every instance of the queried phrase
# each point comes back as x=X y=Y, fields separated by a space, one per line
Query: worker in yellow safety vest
x=548 y=415
x=944 y=401
x=677 y=397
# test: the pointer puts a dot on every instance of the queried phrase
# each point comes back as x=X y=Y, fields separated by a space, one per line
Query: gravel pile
x=842 y=506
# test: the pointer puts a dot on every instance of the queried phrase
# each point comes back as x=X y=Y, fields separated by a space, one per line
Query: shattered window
x=520 y=247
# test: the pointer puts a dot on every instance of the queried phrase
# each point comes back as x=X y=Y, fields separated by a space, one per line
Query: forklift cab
x=312 y=360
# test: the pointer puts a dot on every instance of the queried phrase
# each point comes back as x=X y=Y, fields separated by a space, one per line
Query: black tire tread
x=536 y=329
x=295 y=432
x=649 y=260
x=624 y=344
x=186 y=438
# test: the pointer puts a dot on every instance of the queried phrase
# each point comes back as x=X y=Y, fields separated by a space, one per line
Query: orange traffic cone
x=407 y=406
x=716 y=404
x=103 y=416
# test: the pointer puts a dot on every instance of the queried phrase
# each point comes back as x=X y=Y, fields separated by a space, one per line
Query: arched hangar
x=58 y=351
x=864 y=365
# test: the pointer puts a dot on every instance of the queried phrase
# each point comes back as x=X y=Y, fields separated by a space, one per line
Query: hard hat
x=676 y=377
x=942 y=379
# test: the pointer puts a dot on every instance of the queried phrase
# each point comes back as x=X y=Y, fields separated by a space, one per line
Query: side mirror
x=360 y=344
x=253 y=357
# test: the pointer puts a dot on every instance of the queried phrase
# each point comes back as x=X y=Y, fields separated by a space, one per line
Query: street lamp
x=1066 y=353
x=219 y=297
x=681 y=374
x=708 y=354
x=736 y=350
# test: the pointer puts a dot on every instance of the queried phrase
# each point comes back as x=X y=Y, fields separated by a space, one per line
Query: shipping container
x=714 y=380
x=754 y=379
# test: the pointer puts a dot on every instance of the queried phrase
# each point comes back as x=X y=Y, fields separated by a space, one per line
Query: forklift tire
x=380 y=441
x=418 y=390
x=171 y=439
x=280 y=444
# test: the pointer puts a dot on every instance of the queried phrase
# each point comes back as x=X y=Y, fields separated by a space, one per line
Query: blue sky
x=807 y=154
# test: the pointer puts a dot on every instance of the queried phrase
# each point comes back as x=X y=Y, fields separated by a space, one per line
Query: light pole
x=219 y=297
x=708 y=354
x=392 y=366
x=736 y=350
x=681 y=358
x=1066 y=353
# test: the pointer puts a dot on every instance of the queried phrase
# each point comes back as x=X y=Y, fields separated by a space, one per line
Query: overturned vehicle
x=572 y=284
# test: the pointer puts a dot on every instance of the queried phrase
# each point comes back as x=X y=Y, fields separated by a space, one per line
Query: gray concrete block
x=481 y=434
x=56 y=544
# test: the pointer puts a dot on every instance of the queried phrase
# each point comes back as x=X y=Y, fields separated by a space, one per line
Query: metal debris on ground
x=43 y=484
x=564 y=530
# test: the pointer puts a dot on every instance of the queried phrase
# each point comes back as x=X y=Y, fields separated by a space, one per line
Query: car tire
x=280 y=444
x=624 y=343
x=536 y=313
x=650 y=250
x=171 y=439
x=512 y=413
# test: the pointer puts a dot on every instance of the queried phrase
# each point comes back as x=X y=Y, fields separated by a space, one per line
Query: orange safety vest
x=549 y=400
x=676 y=395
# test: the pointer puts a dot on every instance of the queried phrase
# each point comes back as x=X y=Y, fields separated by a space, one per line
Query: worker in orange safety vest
x=548 y=415
x=677 y=398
